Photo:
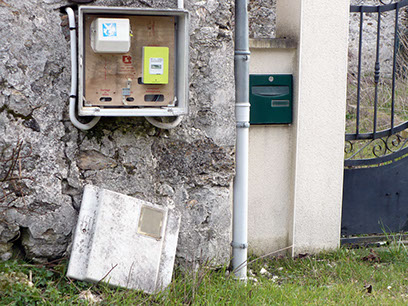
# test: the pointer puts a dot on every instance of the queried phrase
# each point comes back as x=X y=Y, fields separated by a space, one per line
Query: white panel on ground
x=123 y=241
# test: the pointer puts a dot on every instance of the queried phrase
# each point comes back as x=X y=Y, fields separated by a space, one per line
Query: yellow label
x=155 y=65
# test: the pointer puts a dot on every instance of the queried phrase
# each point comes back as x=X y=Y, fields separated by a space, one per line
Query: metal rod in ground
x=377 y=74
x=394 y=63
x=360 y=44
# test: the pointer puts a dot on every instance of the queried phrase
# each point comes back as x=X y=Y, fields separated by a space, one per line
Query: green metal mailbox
x=271 y=98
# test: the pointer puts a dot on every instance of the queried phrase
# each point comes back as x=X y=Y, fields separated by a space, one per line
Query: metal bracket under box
x=112 y=78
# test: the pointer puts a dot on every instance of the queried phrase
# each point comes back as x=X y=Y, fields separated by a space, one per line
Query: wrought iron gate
x=375 y=196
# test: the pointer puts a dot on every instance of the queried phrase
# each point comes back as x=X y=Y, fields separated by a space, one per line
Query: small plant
x=395 y=244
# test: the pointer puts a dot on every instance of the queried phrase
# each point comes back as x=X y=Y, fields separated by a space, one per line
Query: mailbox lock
x=271 y=79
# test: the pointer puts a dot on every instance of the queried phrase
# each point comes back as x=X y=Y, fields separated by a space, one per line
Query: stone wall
x=387 y=32
x=45 y=161
x=262 y=18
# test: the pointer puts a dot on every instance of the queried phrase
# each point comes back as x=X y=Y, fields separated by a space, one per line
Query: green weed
x=345 y=276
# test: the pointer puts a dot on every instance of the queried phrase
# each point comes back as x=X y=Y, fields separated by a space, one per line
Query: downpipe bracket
x=237 y=245
x=242 y=55
x=242 y=113
x=243 y=125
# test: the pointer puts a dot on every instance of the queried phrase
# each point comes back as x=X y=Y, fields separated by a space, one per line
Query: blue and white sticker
x=109 y=30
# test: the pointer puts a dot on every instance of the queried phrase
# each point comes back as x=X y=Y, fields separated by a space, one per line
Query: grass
x=367 y=148
x=384 y=104
x=345 y=276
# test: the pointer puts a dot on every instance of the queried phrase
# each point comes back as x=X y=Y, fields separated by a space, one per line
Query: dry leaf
x=368 y=288
x=372 y=257
x=89 y=297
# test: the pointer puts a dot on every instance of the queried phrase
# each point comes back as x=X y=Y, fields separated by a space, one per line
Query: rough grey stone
x=93 y=160
x=262 y=18
x=203 y=211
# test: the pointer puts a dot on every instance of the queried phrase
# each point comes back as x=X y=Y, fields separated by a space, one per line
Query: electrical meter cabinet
x=132 y=61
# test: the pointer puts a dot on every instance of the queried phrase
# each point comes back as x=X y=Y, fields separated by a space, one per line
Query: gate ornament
x=375 y=151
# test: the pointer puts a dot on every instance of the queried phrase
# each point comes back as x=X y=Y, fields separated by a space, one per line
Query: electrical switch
x=110 y=35
x=155 y=65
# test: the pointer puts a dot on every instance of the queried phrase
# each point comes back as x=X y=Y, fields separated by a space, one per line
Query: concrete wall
x=320 y=125
x=270 y=158
x=302 y=165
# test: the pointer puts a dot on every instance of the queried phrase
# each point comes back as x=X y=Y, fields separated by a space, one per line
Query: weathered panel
x=376 y=199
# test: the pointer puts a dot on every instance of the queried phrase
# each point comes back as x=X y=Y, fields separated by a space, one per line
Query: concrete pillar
x=321 y=28
x=296 y=171
x=270 y=209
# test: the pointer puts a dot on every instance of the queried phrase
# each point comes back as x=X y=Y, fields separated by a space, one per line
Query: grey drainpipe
x=240 y=209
